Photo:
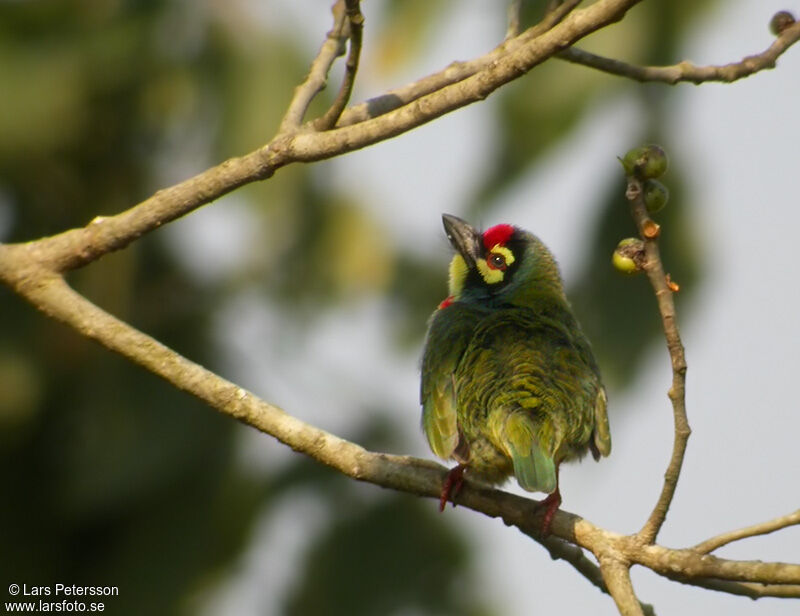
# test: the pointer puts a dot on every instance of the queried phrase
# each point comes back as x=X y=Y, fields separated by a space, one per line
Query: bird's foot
x=452 y=485
x=551 y=505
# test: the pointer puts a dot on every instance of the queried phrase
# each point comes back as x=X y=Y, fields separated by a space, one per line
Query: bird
x=509 y=384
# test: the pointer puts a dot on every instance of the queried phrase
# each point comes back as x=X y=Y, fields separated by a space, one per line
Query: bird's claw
x=551 y=505
x=452 y=486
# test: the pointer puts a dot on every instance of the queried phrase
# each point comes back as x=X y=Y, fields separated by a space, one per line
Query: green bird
x=509 y=381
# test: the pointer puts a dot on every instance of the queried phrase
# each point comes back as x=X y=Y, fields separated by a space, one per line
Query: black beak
x=464 y=238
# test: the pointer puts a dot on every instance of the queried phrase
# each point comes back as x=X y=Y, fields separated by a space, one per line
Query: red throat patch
x=446 y=302
x=499 y=234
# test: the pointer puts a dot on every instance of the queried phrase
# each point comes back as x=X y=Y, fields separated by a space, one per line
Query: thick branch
x=617 y=576
x=677 y=393
x=686 y=71
x=575 y=556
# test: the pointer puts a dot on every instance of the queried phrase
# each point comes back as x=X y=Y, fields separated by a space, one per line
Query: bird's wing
x=450 y=331
x=601 y=435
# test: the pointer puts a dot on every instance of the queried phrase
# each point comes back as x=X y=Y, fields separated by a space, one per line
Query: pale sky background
x=740 y=145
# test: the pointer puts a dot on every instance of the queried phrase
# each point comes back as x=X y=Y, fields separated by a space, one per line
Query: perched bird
x=509 y=382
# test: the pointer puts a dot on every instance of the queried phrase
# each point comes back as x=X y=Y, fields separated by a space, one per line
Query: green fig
x=656 y=195
x=628 y=256
x=646 y=162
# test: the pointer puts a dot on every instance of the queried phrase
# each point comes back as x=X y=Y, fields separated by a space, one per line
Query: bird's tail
x=529 y=443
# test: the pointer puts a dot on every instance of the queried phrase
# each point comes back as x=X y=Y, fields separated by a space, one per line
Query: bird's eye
x=497 y=261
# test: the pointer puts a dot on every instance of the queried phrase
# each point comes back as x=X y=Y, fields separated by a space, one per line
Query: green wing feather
x=601 y=434
x=448 y=337
x=439 y=419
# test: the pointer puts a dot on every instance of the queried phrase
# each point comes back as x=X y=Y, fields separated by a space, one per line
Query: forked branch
x=317 y=78
x=355 y=21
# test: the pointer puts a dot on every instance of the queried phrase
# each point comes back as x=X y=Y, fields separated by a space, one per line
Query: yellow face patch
x=493 y=268
x=458 y=274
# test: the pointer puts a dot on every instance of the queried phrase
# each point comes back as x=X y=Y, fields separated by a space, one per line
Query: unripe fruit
x=646 y=162
x=628 y=256
x=656 y=195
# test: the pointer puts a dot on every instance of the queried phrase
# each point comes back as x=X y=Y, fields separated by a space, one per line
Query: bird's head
x=502 y=265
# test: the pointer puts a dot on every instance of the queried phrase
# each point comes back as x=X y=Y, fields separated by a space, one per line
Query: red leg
x=452 y=485
x=551 y=505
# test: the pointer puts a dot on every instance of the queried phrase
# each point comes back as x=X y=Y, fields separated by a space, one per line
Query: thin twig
x=356 y=26
x=743 y=589
x=317 y=78
x=514 y=19
x=557 y=11
x=677 y=393
x=686 y=71
x=452 y=74
x=763 y=528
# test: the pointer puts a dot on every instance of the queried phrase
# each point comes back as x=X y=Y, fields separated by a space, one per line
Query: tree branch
x=514 y=19
x=743 y=589
x=559 y=549
x=763 y=528
x=355 y=21
x=454 y=73
x=688 y=564
x=686 y=71
x=677 y=392
x=617 y=576
x=317 y=78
